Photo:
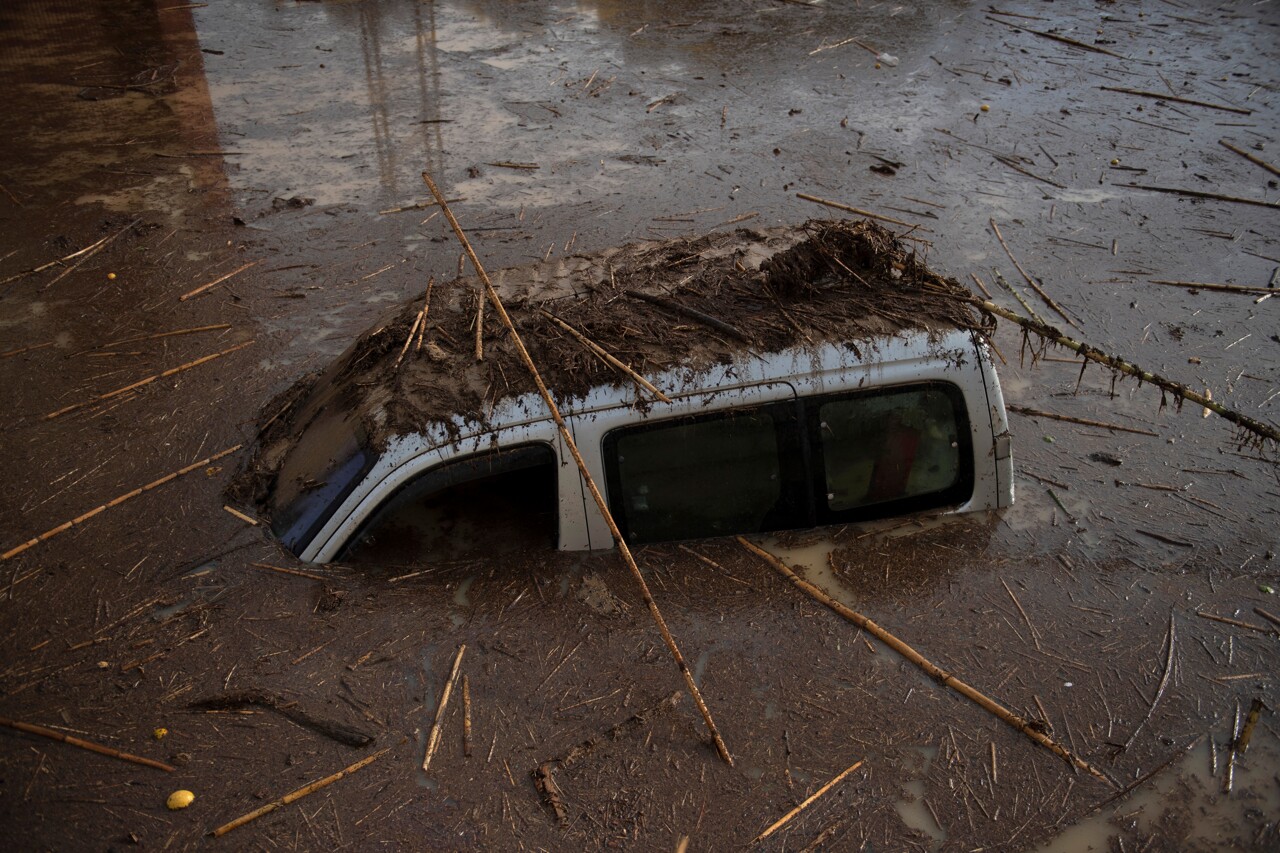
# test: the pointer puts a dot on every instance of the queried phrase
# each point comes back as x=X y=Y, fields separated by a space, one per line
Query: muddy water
x=277 y=133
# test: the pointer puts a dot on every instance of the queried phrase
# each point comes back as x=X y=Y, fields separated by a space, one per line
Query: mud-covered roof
x=691 y=303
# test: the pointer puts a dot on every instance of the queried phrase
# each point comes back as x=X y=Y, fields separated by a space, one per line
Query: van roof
x=689 y=303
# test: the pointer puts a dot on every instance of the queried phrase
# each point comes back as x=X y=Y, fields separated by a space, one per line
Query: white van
x=815 y=433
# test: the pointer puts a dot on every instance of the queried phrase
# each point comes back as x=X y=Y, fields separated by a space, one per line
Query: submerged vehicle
x=809 y=375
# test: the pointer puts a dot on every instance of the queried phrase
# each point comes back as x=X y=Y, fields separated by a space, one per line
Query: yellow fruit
x=111 y=276
x=985 y=108
x=1115 y=162
x=160 y=733
x=179 y=800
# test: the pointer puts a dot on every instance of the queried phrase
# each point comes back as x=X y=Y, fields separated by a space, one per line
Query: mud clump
x=691 y=304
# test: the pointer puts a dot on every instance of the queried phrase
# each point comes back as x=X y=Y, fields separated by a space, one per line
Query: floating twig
x=67 y=525
x=1204 y=285
x=1119 y=365
x=1160 y=96
x=286 y=571
x=935 y=672
x=1236 y=623
x=1170 y=638
x=54 y=734
x=298 y=794
x=219 y=280
x=1012 y=165
x=434 y=740
x=191 y=331
x=147 y=381
x=84 y=255
x=1060 y=39
x=1200 y=194
x=786 y=818
x=1251 y=158
x=1036 y=413
x=466 y=717
x=1246 y=733
x=623 y=550
x=336 y=730
x=1026 y=277
x=606 y=357
x=1228 y=777
x=417 y=205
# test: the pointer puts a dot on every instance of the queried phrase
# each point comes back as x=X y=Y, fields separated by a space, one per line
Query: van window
x=902 y=449
x=499 y=502
x=822 y=460
x=706 y=476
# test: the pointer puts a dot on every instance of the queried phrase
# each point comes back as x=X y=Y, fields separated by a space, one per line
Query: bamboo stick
x=141 y=382
x=1200 y=194
x=1258 y=161
x=67 y=525
x=1160 y=96
x=466 y=717
x=786 y=818
x=298 y=794
x=606 y=357
x=623 y=550
x=202 y=288
x=87 y=252
x=932 y=670
x=1204 y=285
x=1036 y=413
x=418 y=322
x=1120 y=365
x=1034 y=286
x=434 y=740
x=194 y=329
x=32 y=728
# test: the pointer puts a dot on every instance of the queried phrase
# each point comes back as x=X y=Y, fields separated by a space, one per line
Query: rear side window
x=898 y=450
x=499 y=502
x=704 y=476
x=794 y=464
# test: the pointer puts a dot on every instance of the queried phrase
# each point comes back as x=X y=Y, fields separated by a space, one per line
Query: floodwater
x=264 y=145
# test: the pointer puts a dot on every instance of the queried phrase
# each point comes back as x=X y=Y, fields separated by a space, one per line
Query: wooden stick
x=1203 y=285
x=417 y=323
x=141 y=382
x=808 y=801
x=417 y=205
x=596 y=495
x=479 y=326
x=191 y=331
x=1199 y=194
x=1236 y=623
x=32 y=728
x=202 y=288
x=933 y=671
x=67 y=525
x=434 y=740
x=1164 y=682
x=288 y=571
x=1036 y=413
x=87 y=252
x=1160 y=96
x=1252 y=159
x=298 y=794
x=692 y=313
x=466 y=717
x=240 y=515
x=838 y=206
x=1058 y=38
x=1029 y=280
x=606 y=357
x=1120 y=365
x=1270 y=617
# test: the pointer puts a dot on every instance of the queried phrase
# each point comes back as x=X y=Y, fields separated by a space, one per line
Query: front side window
x=899 y=450
x=499 y=502
x=704 y=476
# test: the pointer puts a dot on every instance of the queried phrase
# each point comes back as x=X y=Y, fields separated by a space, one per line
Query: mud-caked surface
x=204 y=204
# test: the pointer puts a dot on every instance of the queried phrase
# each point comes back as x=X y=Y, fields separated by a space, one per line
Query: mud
x=646 y=121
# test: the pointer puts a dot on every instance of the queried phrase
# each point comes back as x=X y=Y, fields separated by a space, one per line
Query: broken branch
x=1036 y=413
x=1160 y=96
x=596 y=495
x=67 y=525
x=434 y=740
x=606 y=357
x=808 y=801
x=1029 y=280
x=298 y=794
x=932 y=670
x=1252 y=159
x=53 y=734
